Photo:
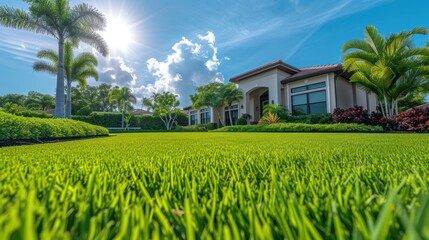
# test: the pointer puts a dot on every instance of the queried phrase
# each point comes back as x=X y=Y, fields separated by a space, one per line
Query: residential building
x=309 y=90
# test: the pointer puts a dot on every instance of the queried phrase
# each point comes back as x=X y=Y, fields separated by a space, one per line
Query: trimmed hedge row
x=145 y=122
x=302 y=127
x=20 y=128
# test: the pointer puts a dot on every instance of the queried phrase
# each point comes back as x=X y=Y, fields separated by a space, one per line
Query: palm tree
x=77 y=69
x=124 y=99
x=390 y=67
x=231 y=93
x=56 y=18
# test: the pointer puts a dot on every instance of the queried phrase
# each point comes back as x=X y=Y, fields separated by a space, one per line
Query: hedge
x=302 y=127
x=20 y=128
x=145 y=122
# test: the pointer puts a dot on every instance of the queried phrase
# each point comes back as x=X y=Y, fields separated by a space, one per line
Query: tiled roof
x=307 y=72
x=296 y=73
x=274 y=65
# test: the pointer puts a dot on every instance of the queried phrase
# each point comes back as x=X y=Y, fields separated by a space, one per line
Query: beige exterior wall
x=253 y=87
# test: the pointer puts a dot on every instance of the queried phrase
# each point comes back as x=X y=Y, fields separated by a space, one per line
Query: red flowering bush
x=415 y=120
x=351 y=115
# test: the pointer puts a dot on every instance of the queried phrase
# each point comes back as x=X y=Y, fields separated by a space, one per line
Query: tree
x=230 y=93
x=165 y=105
x=390 y=67
x=56 y=18
x=124 y=99
x=103 y=97
x=39 y=101
x=210 y=95
x=77 y=69
x=17 y=99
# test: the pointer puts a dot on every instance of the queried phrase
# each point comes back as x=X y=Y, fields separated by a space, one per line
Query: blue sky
x=178 y=45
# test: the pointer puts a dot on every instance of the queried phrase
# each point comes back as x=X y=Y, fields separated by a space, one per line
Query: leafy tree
x=17 y=99
x=230 y=93
x=58 y=19
x=77 y=69
x=165 y=105
x=39 y=101
x=124 y=99
x=390 y=67
x=103 y=97
x=210 y=95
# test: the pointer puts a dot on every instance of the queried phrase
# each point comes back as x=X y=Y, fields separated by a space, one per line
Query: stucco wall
x=256 y=85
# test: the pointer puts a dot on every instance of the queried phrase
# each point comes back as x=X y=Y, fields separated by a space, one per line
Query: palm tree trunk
x=59 y=94
x=230 y=115
x=220 y=118
x=123 y=114
x=68 y=100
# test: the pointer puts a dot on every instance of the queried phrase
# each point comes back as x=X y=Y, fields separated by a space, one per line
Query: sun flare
x=118 y=34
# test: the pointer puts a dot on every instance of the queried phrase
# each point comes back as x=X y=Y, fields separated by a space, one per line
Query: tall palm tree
x=77 y=69
x=390 y=67
x=124 y=99
x=231 y=93
x=56 y=18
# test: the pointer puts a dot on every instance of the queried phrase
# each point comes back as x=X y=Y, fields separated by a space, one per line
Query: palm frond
x=91 y=38
x=89 y=16
x=19 y=19
x=375 y=39
x=45 y=67
x=48 y=54
x=359 y=44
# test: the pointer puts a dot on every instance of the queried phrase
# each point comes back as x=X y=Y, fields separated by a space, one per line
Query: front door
x=264 y=100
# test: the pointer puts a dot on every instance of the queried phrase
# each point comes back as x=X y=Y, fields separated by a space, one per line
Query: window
x=234 y=115
x=308 y=87
x=311 y=101
x=194 y=117
x=205 y=115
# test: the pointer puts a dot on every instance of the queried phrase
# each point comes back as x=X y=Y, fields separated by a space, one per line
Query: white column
x=328 y=93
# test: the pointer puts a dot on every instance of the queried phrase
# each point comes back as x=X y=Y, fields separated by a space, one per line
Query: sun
x=118 y=34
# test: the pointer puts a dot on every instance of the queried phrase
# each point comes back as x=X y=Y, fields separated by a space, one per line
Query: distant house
x=309 y=90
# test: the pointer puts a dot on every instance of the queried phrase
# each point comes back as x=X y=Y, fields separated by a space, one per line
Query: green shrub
x=16 y=128
x=242 y=121
x=276 y=109
x=85 y=111
x=114 y=119
x=311 y=119
x=18 y=110
x=302 y=127
x=194 y=128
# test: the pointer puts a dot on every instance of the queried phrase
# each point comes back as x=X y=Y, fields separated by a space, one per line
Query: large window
x=309 y=102
x=205 y=115
x=234 y=115
x=194 y=117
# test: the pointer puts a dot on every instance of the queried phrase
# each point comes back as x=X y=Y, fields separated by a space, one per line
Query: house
x=309 y=90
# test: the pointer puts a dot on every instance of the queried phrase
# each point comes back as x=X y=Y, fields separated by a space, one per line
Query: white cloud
x=192 y=63
x=114 y=71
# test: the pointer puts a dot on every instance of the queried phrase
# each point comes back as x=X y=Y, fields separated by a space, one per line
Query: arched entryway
x=256 y=98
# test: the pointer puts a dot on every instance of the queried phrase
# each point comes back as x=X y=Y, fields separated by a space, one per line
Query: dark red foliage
x=415 y=120
x=351 y=115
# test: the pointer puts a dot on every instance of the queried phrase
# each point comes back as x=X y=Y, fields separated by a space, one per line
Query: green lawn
x=217 y=185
